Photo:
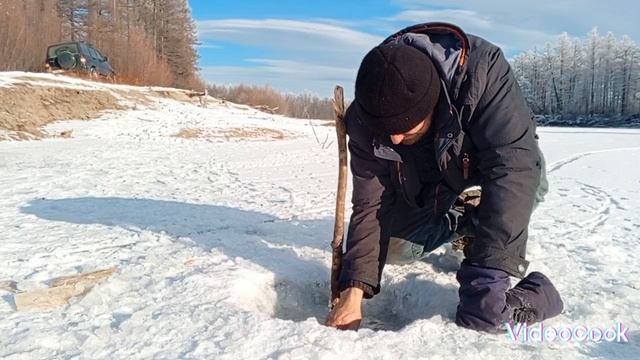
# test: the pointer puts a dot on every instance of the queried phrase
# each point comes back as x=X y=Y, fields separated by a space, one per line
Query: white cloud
x=575 y=17
x=307 y=70
x=208 y=46
x=312 y=55
x=509 y=38
x=284 y=75
x=290 y=34
x=455 y=16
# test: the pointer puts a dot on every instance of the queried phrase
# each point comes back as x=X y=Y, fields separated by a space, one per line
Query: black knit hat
x=396 y=88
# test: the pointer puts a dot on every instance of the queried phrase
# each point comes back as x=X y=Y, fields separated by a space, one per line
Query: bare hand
x=347 y=314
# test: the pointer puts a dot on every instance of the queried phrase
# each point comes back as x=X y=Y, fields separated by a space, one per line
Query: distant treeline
x=577 y=78
x=148 y=42
x=303 y=106
x=575 y=82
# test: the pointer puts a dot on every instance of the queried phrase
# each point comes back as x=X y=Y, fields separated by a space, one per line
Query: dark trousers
x=415 y=232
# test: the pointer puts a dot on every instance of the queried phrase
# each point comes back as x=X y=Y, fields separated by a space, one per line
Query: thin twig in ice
x=314 y=132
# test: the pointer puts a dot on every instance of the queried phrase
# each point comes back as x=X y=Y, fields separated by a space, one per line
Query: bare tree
x=303 y=106
x=26 y=28
x=147 y=41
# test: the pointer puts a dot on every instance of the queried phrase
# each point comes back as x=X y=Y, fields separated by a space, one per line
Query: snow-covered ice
x=222 y=244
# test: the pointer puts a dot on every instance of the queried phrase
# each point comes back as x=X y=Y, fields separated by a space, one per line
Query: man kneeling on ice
x=437 y=111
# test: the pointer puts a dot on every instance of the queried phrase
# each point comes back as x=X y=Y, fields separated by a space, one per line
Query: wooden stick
x=338 y=228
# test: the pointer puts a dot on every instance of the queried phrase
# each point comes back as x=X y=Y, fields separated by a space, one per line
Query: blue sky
x=297 y=46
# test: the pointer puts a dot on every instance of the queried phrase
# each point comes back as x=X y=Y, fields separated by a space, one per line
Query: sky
x=311 y=46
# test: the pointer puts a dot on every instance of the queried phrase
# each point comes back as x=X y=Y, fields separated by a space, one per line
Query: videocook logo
x=540 y=333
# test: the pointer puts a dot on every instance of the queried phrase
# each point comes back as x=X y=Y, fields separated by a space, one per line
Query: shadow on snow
x=301 y=284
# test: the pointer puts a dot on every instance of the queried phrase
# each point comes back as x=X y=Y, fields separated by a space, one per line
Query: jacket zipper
x=435 y=201
x=401 y=181
x=465 y=166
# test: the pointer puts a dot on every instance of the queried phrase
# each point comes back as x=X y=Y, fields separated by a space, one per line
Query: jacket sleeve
x=509 y=164
x=372 y=199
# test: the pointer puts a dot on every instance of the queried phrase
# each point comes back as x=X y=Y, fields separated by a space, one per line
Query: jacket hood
x=446 y=44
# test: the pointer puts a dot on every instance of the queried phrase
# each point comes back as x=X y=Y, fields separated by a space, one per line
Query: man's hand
x=347 y=313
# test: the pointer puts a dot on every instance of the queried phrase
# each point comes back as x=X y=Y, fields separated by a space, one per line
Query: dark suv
x=78 y=55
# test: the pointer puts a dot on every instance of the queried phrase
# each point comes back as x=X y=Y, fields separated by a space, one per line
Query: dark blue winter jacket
x=484 y=135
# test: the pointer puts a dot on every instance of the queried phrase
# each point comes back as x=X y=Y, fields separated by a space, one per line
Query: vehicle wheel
x=66 y=60
x=93 y=73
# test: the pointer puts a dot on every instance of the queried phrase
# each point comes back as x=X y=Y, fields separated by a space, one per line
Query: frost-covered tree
x=596 y=76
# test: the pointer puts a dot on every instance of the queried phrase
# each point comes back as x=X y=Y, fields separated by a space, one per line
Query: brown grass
x=25 y=108
x=253 y=133
x=189 y=133
x=233 y=133
x=265 y=98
